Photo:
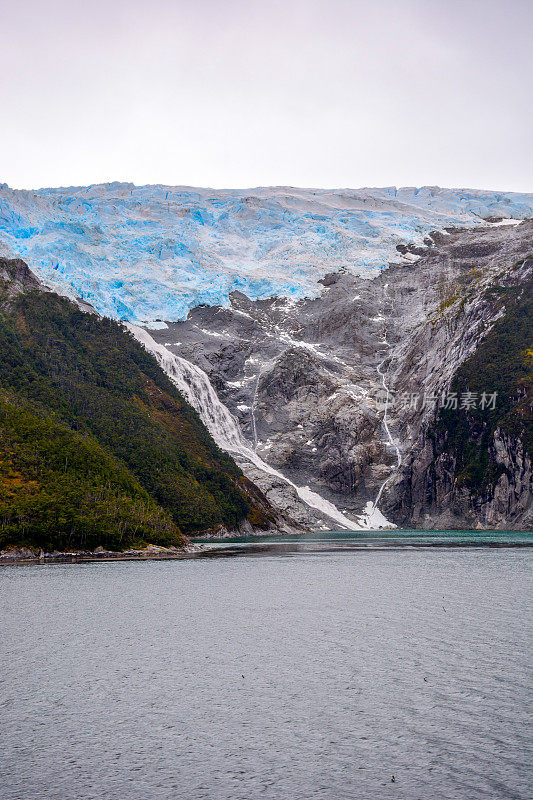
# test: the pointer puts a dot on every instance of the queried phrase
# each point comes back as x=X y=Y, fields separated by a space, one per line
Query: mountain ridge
x=292 y=383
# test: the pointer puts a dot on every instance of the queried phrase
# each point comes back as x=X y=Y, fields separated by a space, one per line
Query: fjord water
x=320 y=675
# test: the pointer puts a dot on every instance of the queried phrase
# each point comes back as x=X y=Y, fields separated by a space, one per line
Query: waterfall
x=374 y=515
x=195 y=385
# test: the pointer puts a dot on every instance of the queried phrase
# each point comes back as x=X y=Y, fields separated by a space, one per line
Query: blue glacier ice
x=146 y=253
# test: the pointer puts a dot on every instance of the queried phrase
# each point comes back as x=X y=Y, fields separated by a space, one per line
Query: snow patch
x=155 y=325
x=505 y=222
x=373 y=518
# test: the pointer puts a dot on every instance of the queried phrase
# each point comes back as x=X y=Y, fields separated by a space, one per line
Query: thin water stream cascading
x=195 y=385
x=373 y=508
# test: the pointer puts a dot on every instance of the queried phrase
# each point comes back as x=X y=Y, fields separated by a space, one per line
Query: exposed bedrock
x=303 y=379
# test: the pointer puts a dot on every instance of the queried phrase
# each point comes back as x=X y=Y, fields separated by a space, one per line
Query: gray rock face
x=426 y=494
x=471 y=270
x=309 y=381
x=16 y=277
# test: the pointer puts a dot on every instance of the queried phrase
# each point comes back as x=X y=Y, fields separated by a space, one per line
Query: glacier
x=148 y=254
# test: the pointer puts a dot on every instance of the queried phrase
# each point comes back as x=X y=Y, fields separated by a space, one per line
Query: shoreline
x=220 y=548
x=24 y=555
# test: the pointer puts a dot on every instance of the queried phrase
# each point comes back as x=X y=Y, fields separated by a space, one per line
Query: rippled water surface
x=321 y=675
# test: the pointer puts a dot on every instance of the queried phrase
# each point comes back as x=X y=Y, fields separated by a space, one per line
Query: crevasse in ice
x=143 y=253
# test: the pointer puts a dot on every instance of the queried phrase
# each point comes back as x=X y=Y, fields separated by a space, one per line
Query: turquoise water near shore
x=354 y=540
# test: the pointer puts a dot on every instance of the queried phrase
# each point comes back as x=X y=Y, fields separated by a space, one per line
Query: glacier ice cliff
x=150 y=253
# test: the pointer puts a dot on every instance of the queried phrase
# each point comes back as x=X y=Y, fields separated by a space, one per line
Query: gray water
x=318 y=675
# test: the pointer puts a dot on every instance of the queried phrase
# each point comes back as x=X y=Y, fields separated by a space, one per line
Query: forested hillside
x=97 y=446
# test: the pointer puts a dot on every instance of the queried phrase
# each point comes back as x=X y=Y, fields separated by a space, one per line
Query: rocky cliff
x=346 y=392
x=472 y=465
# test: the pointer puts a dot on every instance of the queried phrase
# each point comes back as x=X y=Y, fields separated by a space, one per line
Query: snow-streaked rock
x=195 y=385
x=307 y=381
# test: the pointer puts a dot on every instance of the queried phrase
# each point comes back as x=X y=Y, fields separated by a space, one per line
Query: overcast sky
x=240 y=93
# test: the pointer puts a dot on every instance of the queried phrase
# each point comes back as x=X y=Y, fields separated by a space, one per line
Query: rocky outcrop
x=341 y=392
x=16 y=277
x=471 y=466
x=429 y=495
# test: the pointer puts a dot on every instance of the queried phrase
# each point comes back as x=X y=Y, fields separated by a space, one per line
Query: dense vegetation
x=502 y=363
x=97 y=446
x=61 y=490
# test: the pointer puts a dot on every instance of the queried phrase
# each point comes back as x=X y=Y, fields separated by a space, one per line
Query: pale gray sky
x=239 y=93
